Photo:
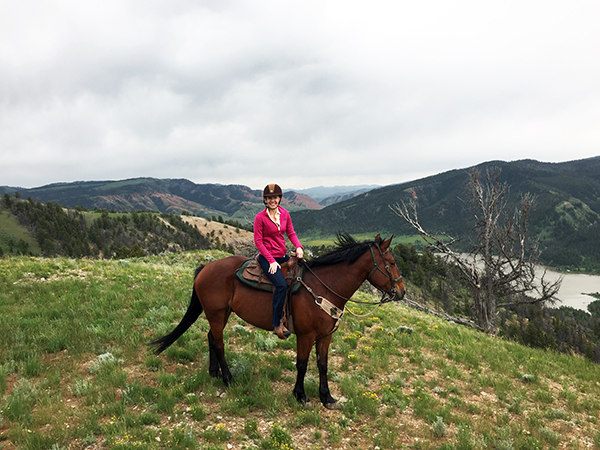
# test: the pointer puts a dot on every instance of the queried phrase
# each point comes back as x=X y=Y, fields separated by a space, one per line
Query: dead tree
x=501 y=267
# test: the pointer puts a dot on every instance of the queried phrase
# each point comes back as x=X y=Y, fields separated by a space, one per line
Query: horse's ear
x=387 y=243
x=378 y=239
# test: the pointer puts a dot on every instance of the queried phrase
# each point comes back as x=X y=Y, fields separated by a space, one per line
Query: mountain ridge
x=162 y=195
x=328 y=195
x=565 y=221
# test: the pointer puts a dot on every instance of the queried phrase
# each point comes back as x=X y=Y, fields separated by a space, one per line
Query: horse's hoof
x=301 y=398
x=334 y=406
x=215 y=373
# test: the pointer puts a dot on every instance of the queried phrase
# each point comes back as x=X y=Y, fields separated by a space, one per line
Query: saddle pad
x=252 y=275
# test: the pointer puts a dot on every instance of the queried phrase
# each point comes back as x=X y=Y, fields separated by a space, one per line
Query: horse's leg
x=214 y=368
x=303 y=347
x=214 y=288
x=322 y=348
x=217 y=346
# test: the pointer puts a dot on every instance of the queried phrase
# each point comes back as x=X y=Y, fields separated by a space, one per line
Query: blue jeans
x=280 y=284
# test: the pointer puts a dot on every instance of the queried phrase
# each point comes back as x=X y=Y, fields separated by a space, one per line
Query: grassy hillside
x=12 y=234
x=75 y=372
x=317 y=239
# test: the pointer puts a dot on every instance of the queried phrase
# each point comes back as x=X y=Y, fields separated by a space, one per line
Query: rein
x=334 y=311
x=387 y=273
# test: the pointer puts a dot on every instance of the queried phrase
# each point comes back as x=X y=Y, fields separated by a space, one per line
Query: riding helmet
x=272 y=190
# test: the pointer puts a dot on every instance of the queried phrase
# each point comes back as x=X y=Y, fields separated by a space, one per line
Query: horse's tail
x=191 y=315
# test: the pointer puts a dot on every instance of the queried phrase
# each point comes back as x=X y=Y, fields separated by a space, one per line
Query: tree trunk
x=501 y=263
x=484 y=311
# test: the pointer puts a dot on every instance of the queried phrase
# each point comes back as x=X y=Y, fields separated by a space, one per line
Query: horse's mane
x=346 y=250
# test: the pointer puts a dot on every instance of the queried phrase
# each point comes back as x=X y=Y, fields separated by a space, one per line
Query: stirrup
x=281 y=332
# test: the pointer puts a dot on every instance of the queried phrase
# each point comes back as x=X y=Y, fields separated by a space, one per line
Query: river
x=574 y=287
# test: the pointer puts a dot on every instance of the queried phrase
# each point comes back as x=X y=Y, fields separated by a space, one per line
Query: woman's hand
x=300 y=252
x=273 y=267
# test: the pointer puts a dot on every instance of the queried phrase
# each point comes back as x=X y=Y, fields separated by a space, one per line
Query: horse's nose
x=400 y=290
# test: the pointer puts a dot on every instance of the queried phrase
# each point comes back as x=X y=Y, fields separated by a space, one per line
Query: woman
x=269 y=227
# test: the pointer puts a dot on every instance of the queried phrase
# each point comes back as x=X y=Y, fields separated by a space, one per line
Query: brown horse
x=334 y=277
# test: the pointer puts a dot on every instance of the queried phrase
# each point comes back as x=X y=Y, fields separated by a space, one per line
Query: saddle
x=251 y=274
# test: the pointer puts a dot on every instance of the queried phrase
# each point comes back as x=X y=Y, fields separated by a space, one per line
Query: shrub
x=551 y=437
x=543 y=396
x=264 y=342
x=105 y=359
x=279 y=439
x=20 y=402
x=198 y=413
x=251 y=428
x=463 y=438
x=218 y=433
x=439 y=428
x=386 y=436
x=153 y=363
x=80 y=388
x=528 y=378
x=309 y=417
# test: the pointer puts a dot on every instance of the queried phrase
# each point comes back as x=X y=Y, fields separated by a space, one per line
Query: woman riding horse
x=269 y=226
x=328 y=280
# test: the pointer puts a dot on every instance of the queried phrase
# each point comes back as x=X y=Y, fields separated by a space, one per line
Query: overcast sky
x=301 y=93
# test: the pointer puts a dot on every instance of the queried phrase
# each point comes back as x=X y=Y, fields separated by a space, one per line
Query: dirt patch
x=227 y=234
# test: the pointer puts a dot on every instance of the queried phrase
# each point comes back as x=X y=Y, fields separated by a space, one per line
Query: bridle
x=387 y=296
x=391 y=293
x=336 y=313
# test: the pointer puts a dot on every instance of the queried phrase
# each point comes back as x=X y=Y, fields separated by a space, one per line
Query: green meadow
x=11 y=230
x=317 y=240
x=76 y=373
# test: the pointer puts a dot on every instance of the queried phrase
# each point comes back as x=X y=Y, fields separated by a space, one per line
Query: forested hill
x=161 y=195
x=566 y=218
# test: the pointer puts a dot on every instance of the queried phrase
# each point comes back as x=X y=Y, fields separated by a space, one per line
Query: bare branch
x=502 y=263
x=458 y=320
x=433 y=242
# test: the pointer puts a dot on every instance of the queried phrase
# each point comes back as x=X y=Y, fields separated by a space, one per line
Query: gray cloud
x=302 y=93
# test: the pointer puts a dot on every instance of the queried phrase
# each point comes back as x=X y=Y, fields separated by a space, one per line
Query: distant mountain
x=163 y=195
x=566 y=219
x=329 y=195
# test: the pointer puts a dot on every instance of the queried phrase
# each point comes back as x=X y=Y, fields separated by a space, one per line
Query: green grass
x=319 y=240
x=10 y=229
x=75 y=371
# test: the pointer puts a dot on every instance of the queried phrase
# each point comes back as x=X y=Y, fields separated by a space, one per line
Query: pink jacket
x=268 y=239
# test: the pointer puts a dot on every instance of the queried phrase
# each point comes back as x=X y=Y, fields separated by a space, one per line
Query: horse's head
x=385 y=274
